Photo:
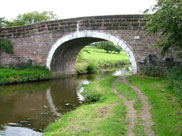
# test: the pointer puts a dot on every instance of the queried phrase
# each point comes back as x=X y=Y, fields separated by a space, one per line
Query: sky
x=74 y=8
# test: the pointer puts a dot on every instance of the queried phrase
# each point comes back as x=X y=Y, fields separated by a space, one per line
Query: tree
x=1 y=22
x=167 y=20
x=108 y=46
x=30 y=18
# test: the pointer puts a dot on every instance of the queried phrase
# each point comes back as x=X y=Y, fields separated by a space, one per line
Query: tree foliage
x=30 y=18
x=6 y=46
x=1 y=22
x=109 y=47
x=167 y=20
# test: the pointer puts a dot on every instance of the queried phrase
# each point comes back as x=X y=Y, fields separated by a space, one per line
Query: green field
x=91 y=57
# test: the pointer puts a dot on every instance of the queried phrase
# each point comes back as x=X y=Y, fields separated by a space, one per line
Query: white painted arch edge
x=94 y=34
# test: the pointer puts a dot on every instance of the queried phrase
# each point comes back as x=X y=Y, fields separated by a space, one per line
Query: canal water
x=26 y=109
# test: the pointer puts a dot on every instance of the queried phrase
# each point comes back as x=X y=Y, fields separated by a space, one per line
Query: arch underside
x=62 y=56
x=63 y=61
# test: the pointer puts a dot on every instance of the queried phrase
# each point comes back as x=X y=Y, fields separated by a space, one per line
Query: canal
x=26 y=109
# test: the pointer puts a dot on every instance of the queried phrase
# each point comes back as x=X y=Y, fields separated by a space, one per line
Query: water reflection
x=51 y=104
x=18 y=131
x=35 y=105
x=27 y=109
x=122 y=72
x=80 y=89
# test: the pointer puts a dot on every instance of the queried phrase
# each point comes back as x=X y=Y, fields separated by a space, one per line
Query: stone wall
x=32 y=43
x=116 y=22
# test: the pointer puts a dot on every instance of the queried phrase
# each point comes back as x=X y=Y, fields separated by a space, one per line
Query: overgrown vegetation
x=6 y=46
x=105 y=117
x=166 y=20
x=26 y=74
x=92 y=67
x=90 y=59
x=175 y=81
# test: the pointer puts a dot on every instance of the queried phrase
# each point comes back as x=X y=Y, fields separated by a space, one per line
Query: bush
x=175 y=81
x=91 y=97
x=92 y=67
x=6 y=46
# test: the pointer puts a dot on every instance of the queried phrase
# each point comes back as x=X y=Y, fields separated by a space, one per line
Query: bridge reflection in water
x=35 y=105
x=29 y=108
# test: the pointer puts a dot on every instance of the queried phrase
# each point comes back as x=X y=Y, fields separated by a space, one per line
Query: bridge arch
x=62 y=55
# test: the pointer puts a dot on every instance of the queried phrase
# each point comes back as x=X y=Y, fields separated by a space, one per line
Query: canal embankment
x=106 y=114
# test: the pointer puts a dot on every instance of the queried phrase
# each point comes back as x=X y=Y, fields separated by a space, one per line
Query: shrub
x=6 y=46
x=91 y=96
x=175 y=81
x=92 y=67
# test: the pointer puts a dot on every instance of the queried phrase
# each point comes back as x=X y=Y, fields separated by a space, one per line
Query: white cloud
x=74 y=8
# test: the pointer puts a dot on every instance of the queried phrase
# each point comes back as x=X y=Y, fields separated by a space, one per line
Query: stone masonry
x=32 y=43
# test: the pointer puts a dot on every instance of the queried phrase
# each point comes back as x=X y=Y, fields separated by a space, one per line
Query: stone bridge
x=56 y=44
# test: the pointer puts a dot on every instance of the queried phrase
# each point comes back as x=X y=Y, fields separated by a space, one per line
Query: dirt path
x=145 y=113
x=132 y=114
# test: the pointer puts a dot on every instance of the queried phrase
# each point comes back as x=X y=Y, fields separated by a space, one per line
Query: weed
x=175 y=81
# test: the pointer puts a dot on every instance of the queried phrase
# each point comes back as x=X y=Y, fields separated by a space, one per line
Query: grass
x=104 y=114
x=175 y=82
x=104 y=117
x=139 y=128
x=166 y=110
x=129 y=94
x=27 y=74
x=98 y=58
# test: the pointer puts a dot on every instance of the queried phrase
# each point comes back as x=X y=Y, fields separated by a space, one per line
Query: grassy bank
x=90 y=59
x=104 y=113
x=28 y=74
x=166 y=110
